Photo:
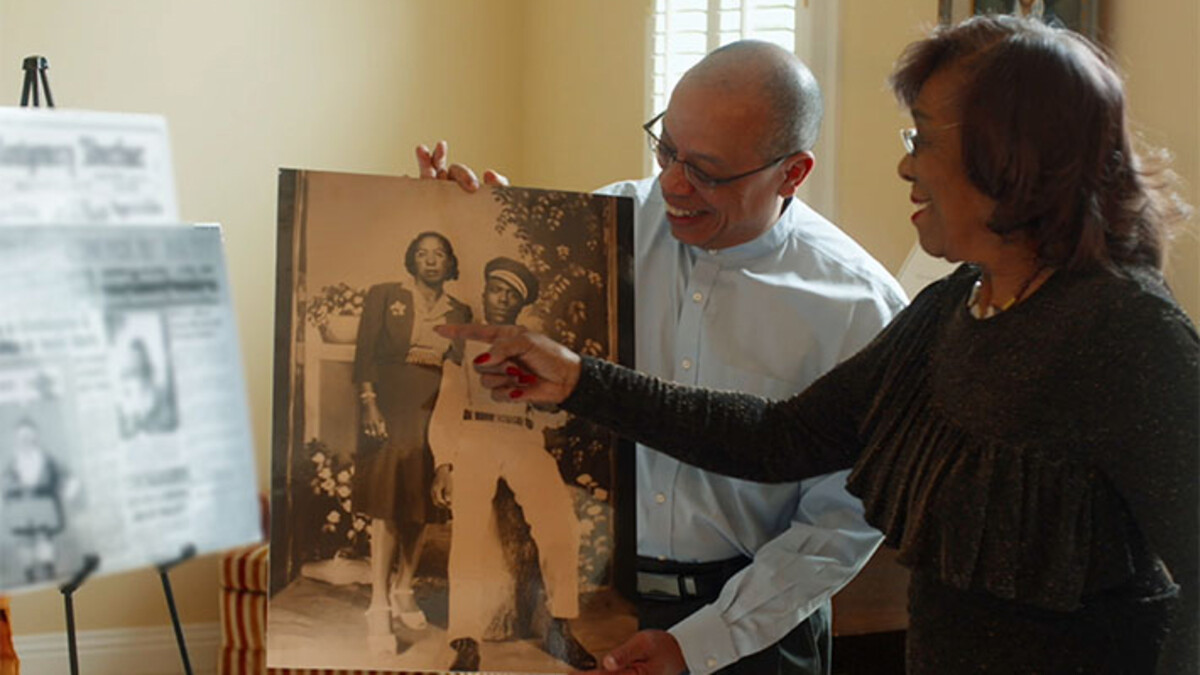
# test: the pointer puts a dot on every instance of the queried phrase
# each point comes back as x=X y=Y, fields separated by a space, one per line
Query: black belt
x=669 y=580
x=479 y=415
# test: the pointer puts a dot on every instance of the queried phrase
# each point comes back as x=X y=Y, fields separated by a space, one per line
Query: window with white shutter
x=685 y=30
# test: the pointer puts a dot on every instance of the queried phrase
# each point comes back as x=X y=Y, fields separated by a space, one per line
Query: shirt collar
x=441 y=306
x=765 y=244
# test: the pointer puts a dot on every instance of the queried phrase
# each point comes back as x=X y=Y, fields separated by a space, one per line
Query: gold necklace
x=992 y=309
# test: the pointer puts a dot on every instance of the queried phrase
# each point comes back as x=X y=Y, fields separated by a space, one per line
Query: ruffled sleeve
x=988 y=514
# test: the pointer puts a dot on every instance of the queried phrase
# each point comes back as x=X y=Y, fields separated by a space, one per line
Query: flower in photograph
x=340 y=299
x=331 y=519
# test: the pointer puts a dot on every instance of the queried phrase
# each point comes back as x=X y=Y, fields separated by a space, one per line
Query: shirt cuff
x=705 y=640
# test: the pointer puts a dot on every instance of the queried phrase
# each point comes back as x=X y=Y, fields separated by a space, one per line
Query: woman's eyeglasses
x=912 y=140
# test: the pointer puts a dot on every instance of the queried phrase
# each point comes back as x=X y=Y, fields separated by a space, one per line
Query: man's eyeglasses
x=667 y=155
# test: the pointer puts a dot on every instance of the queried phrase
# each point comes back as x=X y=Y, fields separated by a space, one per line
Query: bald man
x=739 y=286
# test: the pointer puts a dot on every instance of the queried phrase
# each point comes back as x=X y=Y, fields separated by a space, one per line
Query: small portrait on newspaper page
x=417 y=524
x=141 y=368
x=40 y=494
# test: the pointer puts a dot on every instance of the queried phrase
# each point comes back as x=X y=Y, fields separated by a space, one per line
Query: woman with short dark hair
x=398 y=369
x=1027 y=432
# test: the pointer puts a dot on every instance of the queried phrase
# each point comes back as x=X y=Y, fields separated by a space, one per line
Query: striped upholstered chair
x=9 y=664
x=243 y=578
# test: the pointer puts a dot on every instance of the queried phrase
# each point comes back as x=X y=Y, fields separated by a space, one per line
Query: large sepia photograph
x=417 y=524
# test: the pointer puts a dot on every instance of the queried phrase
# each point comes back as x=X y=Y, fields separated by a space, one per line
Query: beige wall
x=583 y=92
x=1160 y=53
x=873 y=204
x=248 y=87
x=551 y=92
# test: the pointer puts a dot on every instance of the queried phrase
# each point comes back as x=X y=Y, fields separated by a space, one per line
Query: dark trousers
x=806 y=650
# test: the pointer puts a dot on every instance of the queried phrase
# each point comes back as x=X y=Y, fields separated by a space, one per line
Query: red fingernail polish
x=483 y=358
x=516 y=393
x=527 y=379
x=513 y=371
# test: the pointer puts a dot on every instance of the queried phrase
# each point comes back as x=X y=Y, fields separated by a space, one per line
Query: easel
x=35 y=71
x=188 y=552
x=35 y=67
x=90 y=563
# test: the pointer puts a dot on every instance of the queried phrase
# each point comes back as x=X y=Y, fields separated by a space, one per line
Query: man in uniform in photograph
x=739 y=285
x=475 y=442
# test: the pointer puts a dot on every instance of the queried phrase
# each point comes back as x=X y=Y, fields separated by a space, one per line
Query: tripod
x=35 y=67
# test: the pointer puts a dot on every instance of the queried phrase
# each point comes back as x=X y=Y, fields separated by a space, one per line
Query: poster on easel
x=124 y=433
x=417 y=524
x=75 y=166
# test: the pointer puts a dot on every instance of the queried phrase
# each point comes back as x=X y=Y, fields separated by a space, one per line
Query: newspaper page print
x=71 y=166
x=123 y=421
x=369 y=569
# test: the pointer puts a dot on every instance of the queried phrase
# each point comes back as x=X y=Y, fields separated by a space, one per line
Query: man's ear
x=797 y=168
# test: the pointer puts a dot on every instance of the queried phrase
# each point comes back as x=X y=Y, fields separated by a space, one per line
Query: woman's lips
x=922 y=203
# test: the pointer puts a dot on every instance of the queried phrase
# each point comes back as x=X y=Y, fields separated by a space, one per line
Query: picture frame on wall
x=1080 y=16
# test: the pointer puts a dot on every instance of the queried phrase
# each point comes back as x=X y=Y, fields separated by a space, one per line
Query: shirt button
x=687 y=364
x=697 y=296
x=711 y=662
x=660 y=498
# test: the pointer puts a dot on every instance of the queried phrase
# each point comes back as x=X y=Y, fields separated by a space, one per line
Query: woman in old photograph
x=1025 y=433
x=35 y=488
x=145 y=405
x=397 y=369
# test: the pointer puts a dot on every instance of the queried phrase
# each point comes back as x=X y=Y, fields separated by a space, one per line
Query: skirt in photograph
x=392 y=477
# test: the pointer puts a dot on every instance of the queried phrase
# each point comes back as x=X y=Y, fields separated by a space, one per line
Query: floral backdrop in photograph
x=338 y=531
x=340 y=535
x=335 y=312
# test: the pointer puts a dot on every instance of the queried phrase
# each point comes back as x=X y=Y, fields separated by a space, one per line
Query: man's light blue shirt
x=768 y=317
